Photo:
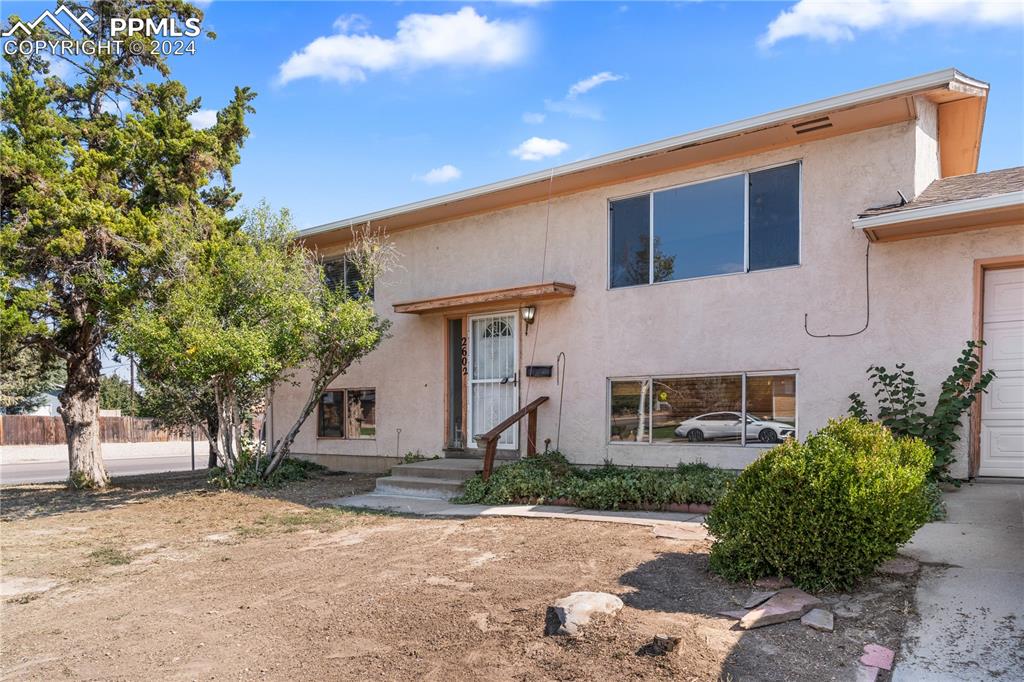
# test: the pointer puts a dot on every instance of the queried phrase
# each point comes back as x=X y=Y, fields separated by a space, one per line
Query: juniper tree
x=89 y=163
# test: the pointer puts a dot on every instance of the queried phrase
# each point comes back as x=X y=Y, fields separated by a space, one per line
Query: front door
x=1002 y=407
x=493 y=379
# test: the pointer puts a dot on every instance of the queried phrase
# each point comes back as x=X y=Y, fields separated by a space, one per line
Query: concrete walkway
x=970 y=596
x=440 y=508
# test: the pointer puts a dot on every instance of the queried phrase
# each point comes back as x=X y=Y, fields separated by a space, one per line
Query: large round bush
x=824 y=512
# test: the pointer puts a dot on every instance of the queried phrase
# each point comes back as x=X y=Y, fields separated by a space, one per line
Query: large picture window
x=739 y=223
x=348 y=413
x=732 y=409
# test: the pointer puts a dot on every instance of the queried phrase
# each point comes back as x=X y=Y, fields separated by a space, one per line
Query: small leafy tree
x=245 y=309
x=345 y=327
x=901 y=405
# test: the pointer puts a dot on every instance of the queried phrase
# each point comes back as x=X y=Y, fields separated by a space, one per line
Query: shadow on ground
x=35 y=500
x=681 y=586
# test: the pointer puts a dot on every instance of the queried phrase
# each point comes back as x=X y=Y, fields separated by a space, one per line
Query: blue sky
x=401 y=101
x=329 y=149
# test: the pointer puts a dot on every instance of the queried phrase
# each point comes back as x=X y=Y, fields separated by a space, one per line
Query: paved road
x=45 y=472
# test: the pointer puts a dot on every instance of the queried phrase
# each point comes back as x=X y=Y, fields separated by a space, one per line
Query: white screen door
x=493 y=382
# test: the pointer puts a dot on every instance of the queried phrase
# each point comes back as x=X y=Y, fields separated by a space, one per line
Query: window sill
x=703 y=277
x=344 y=438
x=703 y=444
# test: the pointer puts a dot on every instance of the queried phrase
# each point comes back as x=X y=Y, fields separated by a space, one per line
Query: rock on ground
x=878 y=656
x=576 y=610
x=788 y=604
x=818 y=619
x=757 y=598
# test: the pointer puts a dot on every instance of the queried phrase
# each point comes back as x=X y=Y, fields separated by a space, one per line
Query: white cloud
x=834 y=21
x=537 y=148
x=587 y=84
x=435 y=176
x=533 y=118
x=58 y=67
x=350 y=23
x=204 y=118
x=422 y=40
x=573 y=108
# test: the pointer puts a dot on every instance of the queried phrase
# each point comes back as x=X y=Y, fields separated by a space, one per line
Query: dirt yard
x=161 y=578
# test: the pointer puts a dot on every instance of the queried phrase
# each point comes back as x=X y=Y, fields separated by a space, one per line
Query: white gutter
x=907 y=86
x=946 y=210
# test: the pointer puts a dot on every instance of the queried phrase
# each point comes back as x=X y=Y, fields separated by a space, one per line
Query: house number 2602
x=465 y=356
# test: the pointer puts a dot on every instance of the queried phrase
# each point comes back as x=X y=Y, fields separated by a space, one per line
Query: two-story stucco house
x=699 y=297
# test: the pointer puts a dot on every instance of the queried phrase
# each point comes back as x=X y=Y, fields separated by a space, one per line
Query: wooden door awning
x=492 y=298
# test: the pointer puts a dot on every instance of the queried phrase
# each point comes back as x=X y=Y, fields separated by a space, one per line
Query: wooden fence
x=20 y=429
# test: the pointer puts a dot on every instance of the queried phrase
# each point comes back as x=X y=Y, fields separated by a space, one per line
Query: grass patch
x=110 y=556
x=290 y=522
x=550 y=477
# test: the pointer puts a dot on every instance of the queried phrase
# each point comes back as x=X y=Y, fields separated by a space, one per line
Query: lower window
x=348 y=413
x=734 y=409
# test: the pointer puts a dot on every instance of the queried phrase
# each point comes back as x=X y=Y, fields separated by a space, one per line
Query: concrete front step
x=440 y=479
x=436 y=488
x=461 y=469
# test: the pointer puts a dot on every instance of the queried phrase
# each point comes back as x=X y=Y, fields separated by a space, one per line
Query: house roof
x=960 y=98
x=965 y=202
x=959 y=188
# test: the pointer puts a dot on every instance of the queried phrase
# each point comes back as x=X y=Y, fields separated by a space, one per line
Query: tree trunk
x=283 y=447
x=211 y=438
x=228 y=428
x=80 y=410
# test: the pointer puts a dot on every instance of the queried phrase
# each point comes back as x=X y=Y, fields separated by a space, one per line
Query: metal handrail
x=490 y=439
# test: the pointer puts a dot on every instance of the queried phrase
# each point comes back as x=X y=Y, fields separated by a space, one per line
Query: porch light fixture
x=528 y=313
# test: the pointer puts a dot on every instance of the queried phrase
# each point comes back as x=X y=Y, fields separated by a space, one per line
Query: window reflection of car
x=715 y=425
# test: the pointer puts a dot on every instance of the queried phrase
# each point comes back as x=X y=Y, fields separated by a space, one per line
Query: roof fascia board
x=949 y=209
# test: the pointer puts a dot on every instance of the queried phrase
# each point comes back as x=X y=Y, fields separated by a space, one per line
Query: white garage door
x=1002 y=408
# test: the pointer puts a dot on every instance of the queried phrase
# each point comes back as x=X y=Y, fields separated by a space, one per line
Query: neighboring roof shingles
x=960 y=188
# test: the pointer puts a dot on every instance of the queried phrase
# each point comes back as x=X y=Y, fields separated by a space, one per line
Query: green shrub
x=549 y=476
x=248 y=471
x=824 y=512
x=901 y=405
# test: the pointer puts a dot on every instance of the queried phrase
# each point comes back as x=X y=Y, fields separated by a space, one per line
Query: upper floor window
x=733 y=224
x=343 y=272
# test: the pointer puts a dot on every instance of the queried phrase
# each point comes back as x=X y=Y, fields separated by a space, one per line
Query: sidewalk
x=17 y=454
x=433 y=507
x=970 y=595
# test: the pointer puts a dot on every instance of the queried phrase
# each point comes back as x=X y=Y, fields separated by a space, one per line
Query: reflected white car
x=717 y=425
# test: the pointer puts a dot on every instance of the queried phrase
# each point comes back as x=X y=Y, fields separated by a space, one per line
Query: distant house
x=699 y=297
x=50 y=404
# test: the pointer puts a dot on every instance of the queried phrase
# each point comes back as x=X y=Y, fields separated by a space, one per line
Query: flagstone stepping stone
x=878 y=656
x=818 y=619
x=758 y=598
x=576 y=610
x=788 y=604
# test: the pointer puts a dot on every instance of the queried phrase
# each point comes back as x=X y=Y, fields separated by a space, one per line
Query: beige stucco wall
x=921 y=306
